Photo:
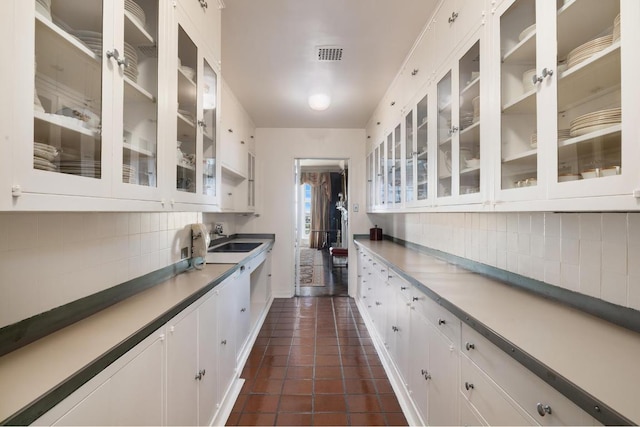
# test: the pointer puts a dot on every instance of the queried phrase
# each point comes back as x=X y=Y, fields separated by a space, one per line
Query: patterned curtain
x=320 y=183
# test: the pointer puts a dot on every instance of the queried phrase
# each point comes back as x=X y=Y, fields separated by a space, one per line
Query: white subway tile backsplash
x=501 y=222
x=134 y=223
x=145 y=222
x=135 y=243
x=163 y=221
x=524 y=223
x=614 y=228
x=552 y=272
x=492 y=221
x=501 y=240
x=50 y=230
x=524 y=244
x=154 y=222
x=633 y=221
x=570 y=228
x=552 y=248
x=590 y=280
x=23 y=231
x=591 y=226
x=590 y=254
x=570 y=276
x=512 y=223
x=524 y=265
x=570 y=250
x=537 y=246
x=614 y=287
x=552 y=225
x=537 y=268
x=122 y=223
x=614 y=258
x=512 y=261
x=501 y=259
x=512 y=242
x=537 y=223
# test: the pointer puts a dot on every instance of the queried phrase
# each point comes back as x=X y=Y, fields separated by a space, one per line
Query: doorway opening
x=321 y=190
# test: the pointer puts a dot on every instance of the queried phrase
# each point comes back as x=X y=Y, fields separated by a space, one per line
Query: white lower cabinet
x=243 y=313
x=129 y=392
x=450 y=372
x=191 y=365
x=226 y=320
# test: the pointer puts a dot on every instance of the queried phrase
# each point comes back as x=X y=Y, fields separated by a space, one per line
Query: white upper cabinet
x=118 y=103
x=196 y=117
x=207 y=17
x=563 y=97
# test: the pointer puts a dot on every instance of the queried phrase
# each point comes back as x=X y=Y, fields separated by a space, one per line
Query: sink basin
x=236 y=247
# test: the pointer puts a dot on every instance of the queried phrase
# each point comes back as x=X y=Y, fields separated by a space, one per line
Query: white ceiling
x=268 y=56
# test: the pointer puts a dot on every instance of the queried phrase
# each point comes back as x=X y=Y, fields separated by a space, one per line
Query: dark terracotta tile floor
x=313 y=363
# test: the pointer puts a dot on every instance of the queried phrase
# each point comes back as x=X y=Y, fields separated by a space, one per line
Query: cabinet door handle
x=203 y=4
x=224 y=342
x=470 y=346
x=469 y=386
x=116 y=55
x=242 y=310
x=543 y=409
x=441 y=321
x=453 y=17
x=415 y=71
x=425 y=374
x=415 y=299
x=403 y=288
x=547 y=72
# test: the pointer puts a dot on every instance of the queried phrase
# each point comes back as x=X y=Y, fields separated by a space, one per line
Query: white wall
x=50 y=259
x=276 y=150
x=591 y=253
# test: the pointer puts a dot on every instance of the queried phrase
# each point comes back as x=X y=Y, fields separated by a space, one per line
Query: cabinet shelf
x=598 y=73
x=58 y=120
x=187 y=89
x=136 y=93
x=423 y=124
x=187 y=167
x=134 y=33
x=467 y=171
x=231 y=173
x=604 y=134
x=132 y=148
x=525 y=103
x=471 y=129
x=474 y=85
x=524 y=156
x=524 y=52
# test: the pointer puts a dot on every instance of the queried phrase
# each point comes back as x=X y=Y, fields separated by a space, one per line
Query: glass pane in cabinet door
x=518 y=82
x=380 y=174
x=421 y=149
x=589 y=92
x=445 y=131
x=186 y=156
x=389 y=169
x=140 y=112
x=409 y=158
x=397 y=165
x=209 y=108
x=469 y=116
x=68 y=87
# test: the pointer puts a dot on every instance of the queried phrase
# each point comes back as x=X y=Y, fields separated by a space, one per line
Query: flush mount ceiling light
x=319 y=101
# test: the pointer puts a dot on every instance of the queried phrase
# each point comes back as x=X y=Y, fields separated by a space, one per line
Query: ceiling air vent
x=329 y=53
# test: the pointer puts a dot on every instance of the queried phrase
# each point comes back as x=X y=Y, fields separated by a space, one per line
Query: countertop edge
x=590 y=404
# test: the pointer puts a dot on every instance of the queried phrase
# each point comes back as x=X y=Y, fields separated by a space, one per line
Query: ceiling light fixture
x=319 y=101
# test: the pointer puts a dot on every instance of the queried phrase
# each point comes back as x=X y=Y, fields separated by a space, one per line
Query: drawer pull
x=242 y=310
x=223 y=342
x=395 y=328
x=441 y=322
x=378 y=303
x=543 y=409
x=470 y=346
x=415 y=299
x=468 y=386
x=403 y=288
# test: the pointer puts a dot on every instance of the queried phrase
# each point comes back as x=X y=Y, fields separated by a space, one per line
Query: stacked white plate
x=136 y=11
x=43 y=156
x=466 y=119
x=132 y=55
x=527 y=80
x=128 y=174
x=562 y=135
x=616 y=28
x=588 y=49
x=88 y=168
x=526 y=32
x=597 y=120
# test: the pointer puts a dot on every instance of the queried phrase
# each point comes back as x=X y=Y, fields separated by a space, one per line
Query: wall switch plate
x=184 y=253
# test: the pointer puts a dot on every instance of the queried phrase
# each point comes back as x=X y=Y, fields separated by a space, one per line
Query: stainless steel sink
x=233 y=251
x=236 y=247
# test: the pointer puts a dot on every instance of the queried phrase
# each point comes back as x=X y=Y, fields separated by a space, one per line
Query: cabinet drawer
x=522 y=385
x=400 y=286
x=469 y=416
x=443 y=319
x=491 y=402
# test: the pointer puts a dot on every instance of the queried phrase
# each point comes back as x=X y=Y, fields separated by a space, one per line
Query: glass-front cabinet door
x=519 y=88
x=446 y=129
x=196 y=117
x=469 y=121
x=397 y=166
x=140 y=94
x=186 y=115
x=596 y=151
x=72 y=69
x=409 y=159
x=421 y=150
x=380 y=176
